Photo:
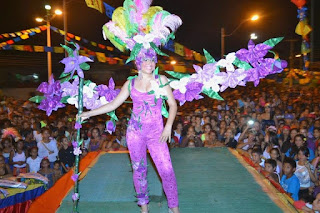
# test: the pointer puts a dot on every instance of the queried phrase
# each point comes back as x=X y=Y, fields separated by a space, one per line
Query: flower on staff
x=75 y=144
x=110 y=126
x=52 y=96
x=72 y=63
x=77 y=125
x=158 y=90
x=70 y=89
x=227 y=63
x=77 y=151
x=74 y=177
x=75 y=196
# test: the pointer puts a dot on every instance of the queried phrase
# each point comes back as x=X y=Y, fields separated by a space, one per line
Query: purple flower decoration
x=74 y=177
x=108 y=92
x=72 y=63
x=75 y=144
x=77 y=125
x=254 y=52
x=263 y=68
x=193 y=90
x=70 y=89
x=206 y=73
x=77 y=151
x=53 y=94
x=110 y=126
x=231 y=79
x=75 y=196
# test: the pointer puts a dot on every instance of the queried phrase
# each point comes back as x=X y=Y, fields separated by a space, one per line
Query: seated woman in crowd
x=7 y=148
x=96 y=141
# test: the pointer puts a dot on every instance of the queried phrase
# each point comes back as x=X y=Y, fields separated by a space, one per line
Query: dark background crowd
x=277 y=127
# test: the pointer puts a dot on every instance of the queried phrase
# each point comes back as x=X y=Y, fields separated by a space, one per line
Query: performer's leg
x=138 y=155
x=161 y=157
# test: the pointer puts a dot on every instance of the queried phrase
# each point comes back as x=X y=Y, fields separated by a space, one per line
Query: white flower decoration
x=180 y=85
x=89 y=90
x=227 y=63
x=157 y=90
x=145 y=40
x=212 y=84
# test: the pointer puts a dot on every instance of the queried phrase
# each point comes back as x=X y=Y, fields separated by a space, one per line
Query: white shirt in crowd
x=43 y=151
x=303 y=175
x=37 y=136
x=34 y=164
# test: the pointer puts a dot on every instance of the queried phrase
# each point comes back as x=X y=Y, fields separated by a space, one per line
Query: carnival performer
x=148 y=28
x=145 y=130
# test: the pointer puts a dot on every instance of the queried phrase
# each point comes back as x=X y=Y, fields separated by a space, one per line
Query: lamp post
x=223 y=32
x=47 y=19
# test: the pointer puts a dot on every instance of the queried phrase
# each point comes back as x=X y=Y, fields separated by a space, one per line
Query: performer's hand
x=83 y=116
x=166 y=135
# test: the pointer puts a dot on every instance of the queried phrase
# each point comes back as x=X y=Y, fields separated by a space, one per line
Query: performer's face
x=148 y=65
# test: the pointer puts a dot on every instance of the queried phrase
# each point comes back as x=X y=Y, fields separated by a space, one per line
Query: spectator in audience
x=47 y=171
x=289 y=181
x=66 y=155
x=96 y=141
x=270 y=167
x=299 y=141
x=33 y=162
x=205 y=136
x=5 y=170
x=7 y=148
x=57 y=173
x=18 y=158
x=305 y=172
x=229 y=140
x=191 y=138
x=47 y=147
x=256 y=158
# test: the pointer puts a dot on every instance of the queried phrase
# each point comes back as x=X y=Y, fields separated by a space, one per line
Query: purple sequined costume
x=144 y=131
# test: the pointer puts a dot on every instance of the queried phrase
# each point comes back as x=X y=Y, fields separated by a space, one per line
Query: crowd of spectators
x=276 y=126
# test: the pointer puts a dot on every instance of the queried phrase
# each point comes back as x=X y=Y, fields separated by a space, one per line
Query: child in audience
x=66 y=155
x=270 y=166
x=275 y=155
x=57 y=173
x=18 y=159
x=289 y=181
x=6 y=148
x=256 y=158
x=5 y=170
x=47 y=172
x=305 y=172
x=33 y=162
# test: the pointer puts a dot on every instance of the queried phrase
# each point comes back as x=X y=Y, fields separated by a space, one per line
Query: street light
x=253 y=36
x=223 y=33
x=47 y=19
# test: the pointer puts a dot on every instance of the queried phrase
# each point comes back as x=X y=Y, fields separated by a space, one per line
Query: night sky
x=202 y=20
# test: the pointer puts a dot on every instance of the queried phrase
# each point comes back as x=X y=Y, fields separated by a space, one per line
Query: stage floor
x=209 y=180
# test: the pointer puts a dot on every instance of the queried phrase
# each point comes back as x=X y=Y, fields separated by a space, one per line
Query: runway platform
x=209 y=180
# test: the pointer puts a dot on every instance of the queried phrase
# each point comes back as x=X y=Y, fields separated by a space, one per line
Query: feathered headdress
x=137 y=26
x=11 y=132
